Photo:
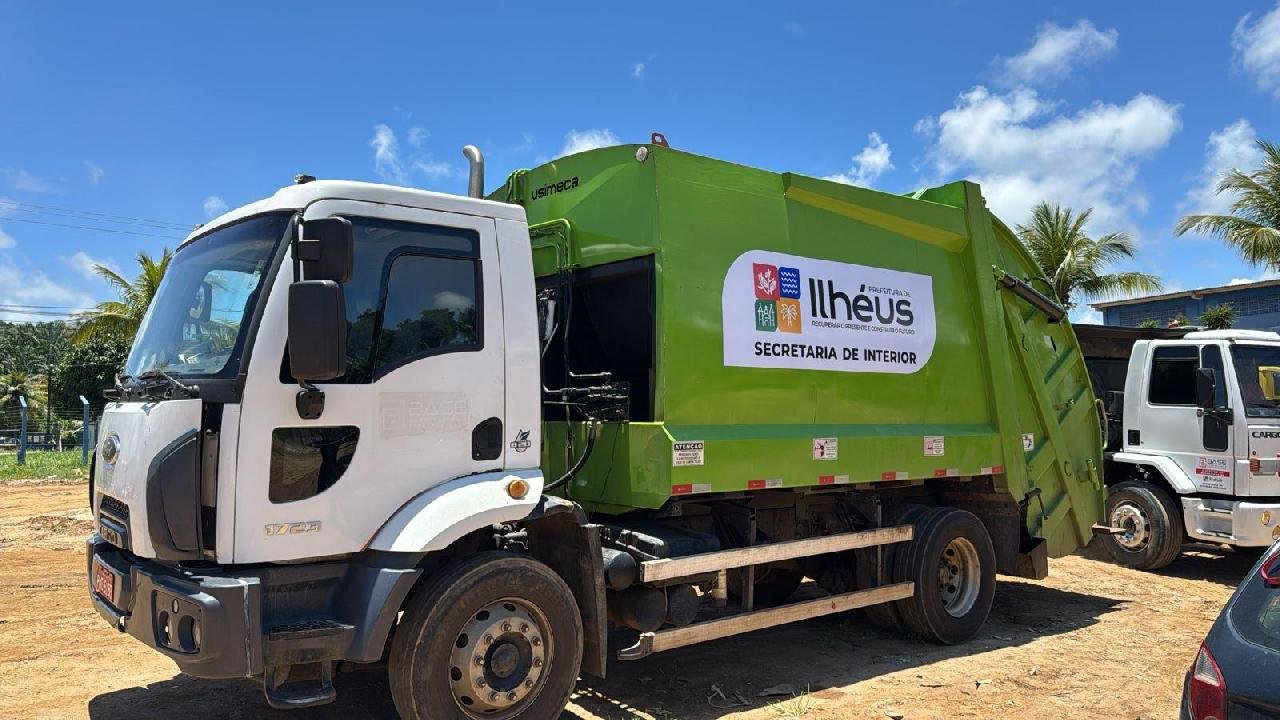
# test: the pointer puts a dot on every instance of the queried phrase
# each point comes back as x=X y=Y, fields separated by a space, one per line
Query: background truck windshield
x=194 y=325
x=1258 y=371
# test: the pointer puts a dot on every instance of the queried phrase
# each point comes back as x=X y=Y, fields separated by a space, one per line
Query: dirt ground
x=1092 y=641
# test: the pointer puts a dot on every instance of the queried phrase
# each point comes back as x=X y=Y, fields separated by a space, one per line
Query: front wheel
x=495 y=636
x=1150 y=523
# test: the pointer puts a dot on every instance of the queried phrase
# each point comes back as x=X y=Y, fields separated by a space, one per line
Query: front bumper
x=210 y=625
x=1233 y=522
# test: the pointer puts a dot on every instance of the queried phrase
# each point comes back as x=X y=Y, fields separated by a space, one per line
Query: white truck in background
x=1193 y=438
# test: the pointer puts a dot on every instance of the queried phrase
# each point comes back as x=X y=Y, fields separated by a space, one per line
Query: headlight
x=111 y=449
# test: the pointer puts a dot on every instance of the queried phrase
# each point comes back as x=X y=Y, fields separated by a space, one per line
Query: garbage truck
x=629 y=401
x=1193 y=442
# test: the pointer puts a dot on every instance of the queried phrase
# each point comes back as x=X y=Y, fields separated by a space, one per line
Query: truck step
x=652 y=642
x=652 y=571
x=283 y=694
x=1213 y=510
x=309 y=629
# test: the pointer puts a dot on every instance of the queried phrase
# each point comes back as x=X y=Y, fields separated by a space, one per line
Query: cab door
x=1199 y=441
x=422 y=400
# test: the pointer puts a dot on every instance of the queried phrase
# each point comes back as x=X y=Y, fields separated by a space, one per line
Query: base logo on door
x=825 y=315
x=521 y=443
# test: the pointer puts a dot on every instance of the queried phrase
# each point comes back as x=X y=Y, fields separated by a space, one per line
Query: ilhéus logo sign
x=824 y=315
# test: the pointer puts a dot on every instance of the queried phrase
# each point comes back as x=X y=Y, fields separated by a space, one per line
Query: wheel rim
x=499 y=661
x=1137 y=528
x=959 y=576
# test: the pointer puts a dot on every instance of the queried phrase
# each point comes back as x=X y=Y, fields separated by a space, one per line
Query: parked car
x=1234 y=674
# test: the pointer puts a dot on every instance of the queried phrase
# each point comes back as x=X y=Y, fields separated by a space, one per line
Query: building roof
x=1197 y=293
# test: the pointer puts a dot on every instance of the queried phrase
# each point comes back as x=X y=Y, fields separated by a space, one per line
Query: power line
x=97 y=216
x=95 y=229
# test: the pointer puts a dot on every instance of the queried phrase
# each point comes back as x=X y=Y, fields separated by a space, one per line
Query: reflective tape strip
x=946 y=472
x=690 y=488
x=992 y=469
x=762 y=484
x=895 y=475
x=826 y=479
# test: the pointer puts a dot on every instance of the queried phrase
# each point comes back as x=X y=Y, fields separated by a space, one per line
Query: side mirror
x=317 y=330
x=326 y=249
x=1206 y=388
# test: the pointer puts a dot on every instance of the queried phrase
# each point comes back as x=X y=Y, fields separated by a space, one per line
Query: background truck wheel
x=885 y=615
x=953 y=566
x=1152 y=522
x=496 y=636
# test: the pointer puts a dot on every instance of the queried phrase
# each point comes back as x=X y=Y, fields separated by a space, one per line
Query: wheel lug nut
x=537 y=662
x=511 y=697
x=506 y=627
x=524 y=627
x=488 y=639
x=528 y=683
x=536 y=641
x=493 y=697
x=480 y=682
x=479 y=661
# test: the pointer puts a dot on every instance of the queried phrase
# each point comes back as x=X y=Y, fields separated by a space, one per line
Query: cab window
x=1173 y=375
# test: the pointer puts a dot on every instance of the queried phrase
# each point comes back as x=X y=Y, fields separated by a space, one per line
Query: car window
x=1255 y=612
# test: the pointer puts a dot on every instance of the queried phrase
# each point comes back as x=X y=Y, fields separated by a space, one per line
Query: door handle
x=486 y=440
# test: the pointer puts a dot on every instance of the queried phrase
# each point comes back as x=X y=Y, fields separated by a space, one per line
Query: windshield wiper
x=120 y=391
x=157 y=383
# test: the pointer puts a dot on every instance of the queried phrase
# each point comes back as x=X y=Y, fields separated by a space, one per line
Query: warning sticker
x=1213 y=466
x=1028 y=442
x=934 y=445
x=826 y=448
x=687 y=452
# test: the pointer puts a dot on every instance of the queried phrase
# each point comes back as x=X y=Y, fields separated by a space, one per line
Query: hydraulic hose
x=593 y=429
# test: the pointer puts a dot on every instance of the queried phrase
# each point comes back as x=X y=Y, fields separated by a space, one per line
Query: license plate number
x=104 y=581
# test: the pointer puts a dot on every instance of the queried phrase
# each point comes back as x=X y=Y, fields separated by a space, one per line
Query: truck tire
x=496 y=636
x=953 y=565
x=1153 y=525
x=885 y=615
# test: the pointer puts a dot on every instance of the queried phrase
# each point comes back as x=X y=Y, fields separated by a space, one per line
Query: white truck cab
x=1196 y=454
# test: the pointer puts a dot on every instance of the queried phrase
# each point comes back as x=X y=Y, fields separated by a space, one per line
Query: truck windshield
x=195 y=325
x=1258 y=372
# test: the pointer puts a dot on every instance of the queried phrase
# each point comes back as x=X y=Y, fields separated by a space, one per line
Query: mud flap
x=573 y=551
x=1033 y=564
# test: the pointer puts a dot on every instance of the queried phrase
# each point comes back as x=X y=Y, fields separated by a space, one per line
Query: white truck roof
x=1232 y=335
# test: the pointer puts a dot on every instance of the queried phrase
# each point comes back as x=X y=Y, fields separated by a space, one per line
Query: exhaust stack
x=475 y=179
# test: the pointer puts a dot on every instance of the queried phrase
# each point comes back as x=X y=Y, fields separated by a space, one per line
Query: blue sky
x=171 y=112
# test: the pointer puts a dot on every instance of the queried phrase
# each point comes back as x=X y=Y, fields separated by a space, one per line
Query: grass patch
x=43 y=465
x=797 y=707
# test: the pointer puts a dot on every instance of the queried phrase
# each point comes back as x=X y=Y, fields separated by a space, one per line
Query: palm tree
x=121 y=318
x=1253 y=227
x=1219 y=317
x=17 y=384
x=1074 y=262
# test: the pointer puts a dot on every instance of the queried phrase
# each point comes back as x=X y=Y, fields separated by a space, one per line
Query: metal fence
x=24 y=427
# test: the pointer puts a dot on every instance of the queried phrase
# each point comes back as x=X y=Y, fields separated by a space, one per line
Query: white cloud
x=1257 y=49
x=1055 y=53
x=6 y=240
x=794 y=28
x=94 y=172
x=85 y=264
x=214 y=206
x=1266 y=275
x=637 y=70
x=1083 y=314
x=432 y=169
x=1023 y=152
x=24 y=181
x=1234 y=147
x=386 y=155
x=576 y=142
x=869 y=164
x=30 y=286
x=417 y=135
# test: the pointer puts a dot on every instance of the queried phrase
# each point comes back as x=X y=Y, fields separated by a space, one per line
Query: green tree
x=1074 y=262
x=121 y=318
x=87 y=368
x=31 y=347
x=1219 y=317
x=1149 y=324
x=17 y=384
x=1253 y=227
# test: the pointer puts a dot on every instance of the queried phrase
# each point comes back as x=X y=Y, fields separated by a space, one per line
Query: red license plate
x=104 y=581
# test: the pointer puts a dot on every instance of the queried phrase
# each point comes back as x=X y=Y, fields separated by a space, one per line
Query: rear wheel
x=496 y=636
x=953 y=565
x=1151 y=523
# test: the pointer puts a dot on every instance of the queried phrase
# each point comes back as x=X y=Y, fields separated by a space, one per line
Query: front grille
x=114 y=507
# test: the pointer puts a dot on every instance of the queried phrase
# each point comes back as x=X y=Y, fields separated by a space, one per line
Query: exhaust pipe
x=475 y=179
